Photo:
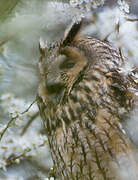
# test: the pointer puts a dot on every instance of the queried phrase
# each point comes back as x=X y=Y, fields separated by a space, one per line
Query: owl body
x=82 y=99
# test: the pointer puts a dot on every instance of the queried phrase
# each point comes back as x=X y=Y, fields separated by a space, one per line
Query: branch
x=8 y=125
x=132 y=20
x=14 y=118
x=29 y=122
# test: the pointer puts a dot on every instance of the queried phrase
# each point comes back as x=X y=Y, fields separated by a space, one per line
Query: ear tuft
x=71 y=32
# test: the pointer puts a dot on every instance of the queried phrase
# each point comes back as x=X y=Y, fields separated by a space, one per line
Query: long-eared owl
x=83 y=98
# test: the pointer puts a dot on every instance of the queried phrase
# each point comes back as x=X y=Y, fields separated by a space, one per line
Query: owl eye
x=67 y=65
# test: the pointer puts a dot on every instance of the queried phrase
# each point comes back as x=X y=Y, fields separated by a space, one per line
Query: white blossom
x=124 y=6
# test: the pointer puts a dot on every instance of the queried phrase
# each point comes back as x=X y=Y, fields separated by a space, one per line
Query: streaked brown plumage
x=83 y=97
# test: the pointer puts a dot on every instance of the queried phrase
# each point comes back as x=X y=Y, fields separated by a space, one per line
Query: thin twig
x=106 y=37
x=132 y=20
x=21 y=156
x=29 y=123
x=5 y=40
x=28 y=107
x=117 y=28
x=121 y=55
x=14 y=118
x=8 y=125
x=12 y=159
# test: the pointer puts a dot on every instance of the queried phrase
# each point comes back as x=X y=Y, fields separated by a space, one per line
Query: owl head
x=65 y=64
x=61 y=65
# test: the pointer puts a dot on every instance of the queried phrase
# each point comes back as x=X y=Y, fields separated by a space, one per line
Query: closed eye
x=67 y=65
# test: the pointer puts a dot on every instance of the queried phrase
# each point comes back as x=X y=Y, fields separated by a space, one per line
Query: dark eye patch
x=67 y=65
x=54 y=88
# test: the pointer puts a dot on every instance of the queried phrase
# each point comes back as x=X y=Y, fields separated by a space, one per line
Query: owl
x=83 y=98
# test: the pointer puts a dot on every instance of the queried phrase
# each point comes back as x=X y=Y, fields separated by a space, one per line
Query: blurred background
x=24 y=152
